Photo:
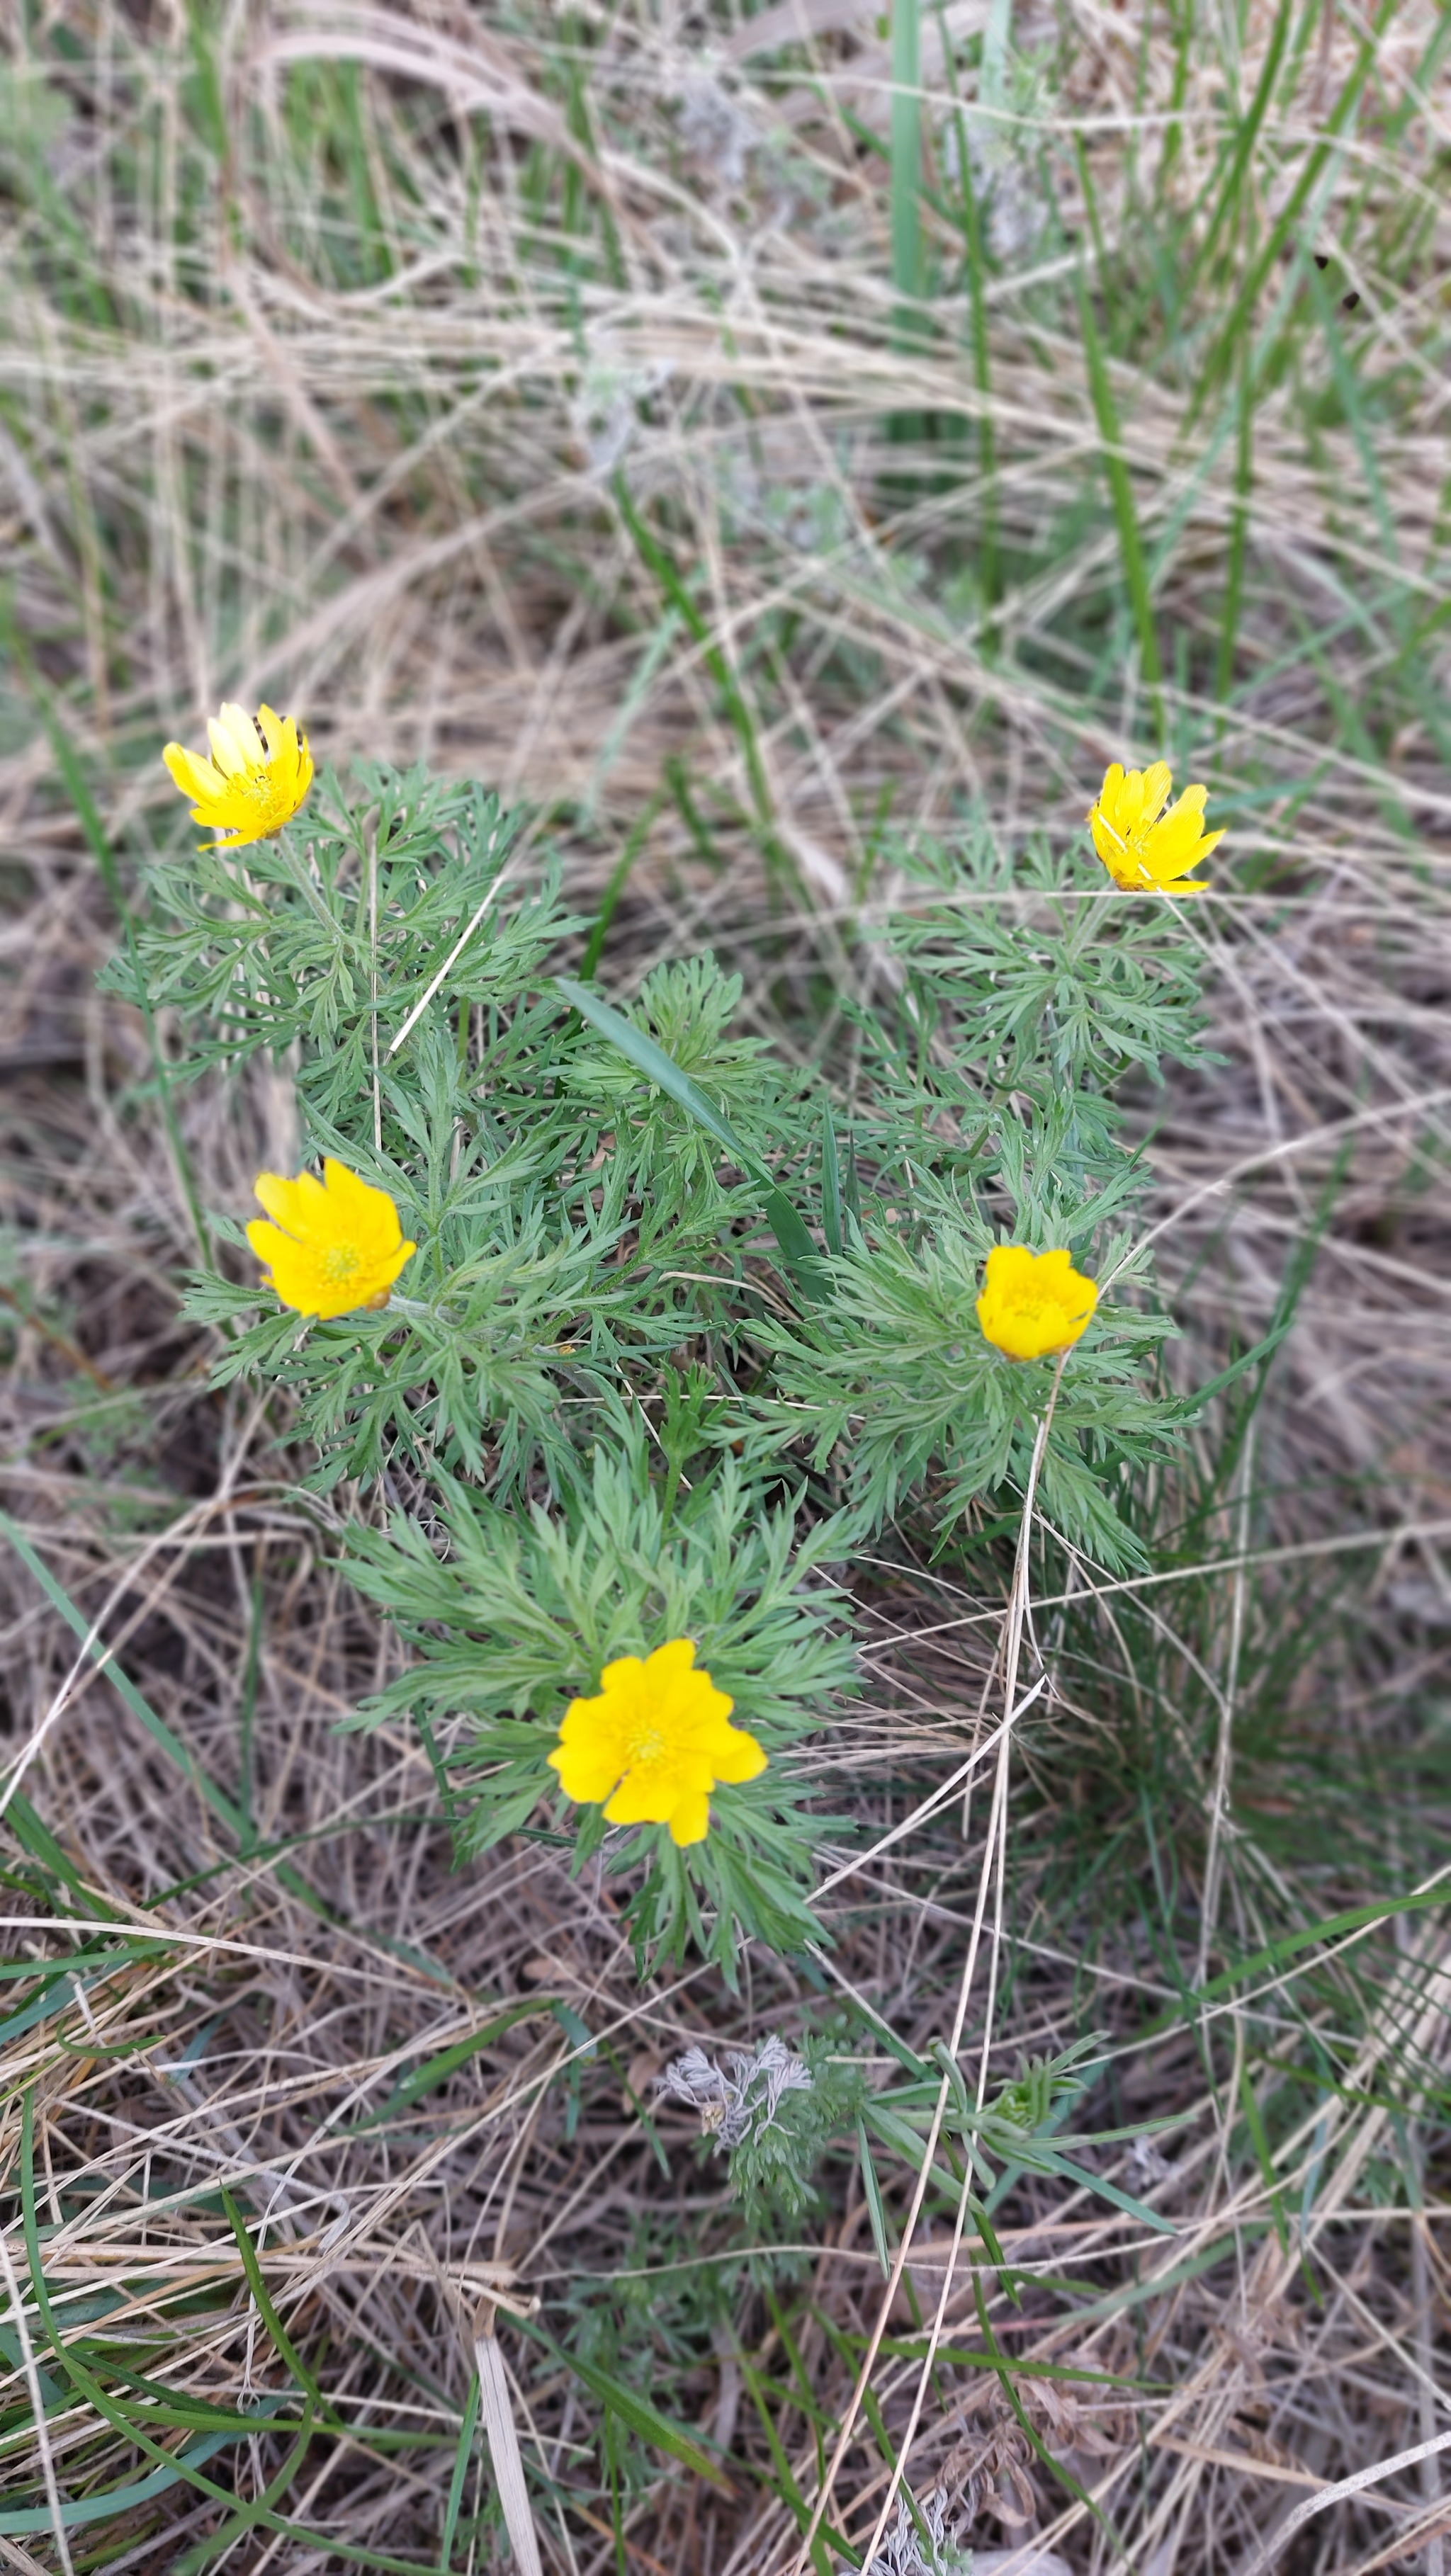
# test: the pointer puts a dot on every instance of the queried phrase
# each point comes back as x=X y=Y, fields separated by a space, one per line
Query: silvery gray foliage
x=740 y=2097
x=715 y=128
x=905 y=2552
x=607 y=405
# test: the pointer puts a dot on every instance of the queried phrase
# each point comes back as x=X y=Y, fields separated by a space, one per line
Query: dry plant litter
x=785 y=456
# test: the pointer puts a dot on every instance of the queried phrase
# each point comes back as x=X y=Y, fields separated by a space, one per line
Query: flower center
x=264 y=792
x=339 y=1263
x=647 y=1746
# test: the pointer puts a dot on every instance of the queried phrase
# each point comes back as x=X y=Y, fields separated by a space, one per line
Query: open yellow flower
x=658 y=1737
x=255 y=781
x=1142 y=847
x=336 y=1244
x=1034 y=1303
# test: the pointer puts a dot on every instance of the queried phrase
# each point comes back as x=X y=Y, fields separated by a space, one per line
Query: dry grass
x=333 y=415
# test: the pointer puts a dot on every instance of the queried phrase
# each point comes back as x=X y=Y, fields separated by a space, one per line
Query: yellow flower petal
x=1034 y=1304
x=269 y=1242
x=294 y=1204
x=292 y=1271
x=735 y=1756
x=668 y=1664
x=196 y=778
x=369 y=1213
x=690 y=1821
x=1152 y=796
x=650 y=1792
x=587 y=1771
x=236 y=743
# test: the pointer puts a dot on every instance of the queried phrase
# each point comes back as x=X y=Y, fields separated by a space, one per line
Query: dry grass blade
x=1354 y=2485
x=501 y=2433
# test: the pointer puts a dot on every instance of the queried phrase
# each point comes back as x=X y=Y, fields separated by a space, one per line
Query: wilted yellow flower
x=255 y=781
x=1033 y=1303
x=1142 y=847
x=658 y=1737
x=337 y=1243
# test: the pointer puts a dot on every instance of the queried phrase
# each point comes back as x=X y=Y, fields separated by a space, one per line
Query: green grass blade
x=1238 y=534
x=872 y=2193
x=906 y=182
x=42 y=1846
x=1121 y=493
x=171 y=1744
x=1259 y=2139
x=987 y=437
x=1231 y=194
x=437 y=2070
x=467 y=2434
x=661 y=1069
x=788 y=2488
x=111 y=2502
x=853 y=1192
x=156 y=1727
x=1283 y=230
x=801 y=1255
x=1006 y=2377
x=287 y=2350
x=830 y=1184
x=632 y=2409
x=1277 y=1954
x=1052 y=2162
x=657 y=558
x=619 y=879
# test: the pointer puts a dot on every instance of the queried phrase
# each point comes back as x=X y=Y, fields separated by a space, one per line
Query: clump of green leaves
x=772 y=2110
x=984 y=2150
x=684 y=1326
x=511 y=1615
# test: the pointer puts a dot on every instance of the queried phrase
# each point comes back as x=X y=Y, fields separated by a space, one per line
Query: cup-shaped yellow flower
x=336 y=1243
x=655 y=1743
x=1034 y=1303
x=255 y=781
x=1143 y=848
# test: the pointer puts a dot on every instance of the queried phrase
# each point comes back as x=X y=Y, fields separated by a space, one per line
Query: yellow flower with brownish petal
x=655 y=1743
x=1143 y=848
x=1034 y=1303
x=336 y=1244
x=256 y=780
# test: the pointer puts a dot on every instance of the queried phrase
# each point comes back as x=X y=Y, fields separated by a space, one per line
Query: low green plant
x=685 y=1326
x=772 y=2111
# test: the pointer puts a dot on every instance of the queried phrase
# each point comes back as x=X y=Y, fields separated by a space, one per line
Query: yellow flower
x=1034 y=1303
x=337 y=1243
x=658 y=1737
x=1142 y=847
x=257 y=777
